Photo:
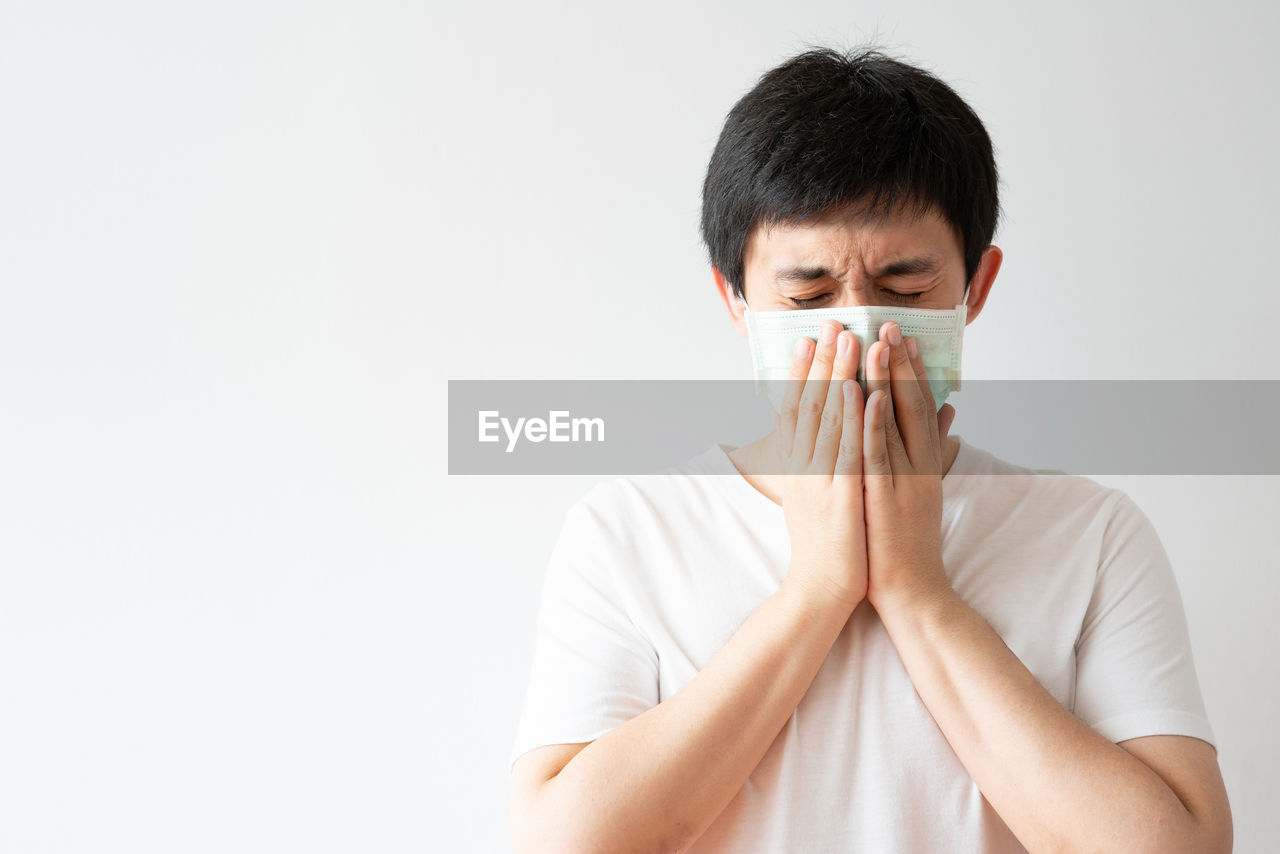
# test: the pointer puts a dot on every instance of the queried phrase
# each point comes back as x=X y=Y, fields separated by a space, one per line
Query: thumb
x=946 y=417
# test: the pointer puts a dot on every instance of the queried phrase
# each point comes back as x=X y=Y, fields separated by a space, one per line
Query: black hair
x=829 y=131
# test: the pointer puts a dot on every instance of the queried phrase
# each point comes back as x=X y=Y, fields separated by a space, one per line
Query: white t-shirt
x=653 y=574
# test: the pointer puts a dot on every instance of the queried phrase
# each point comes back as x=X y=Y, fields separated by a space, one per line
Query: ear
x=983 y=279
x=731 y=302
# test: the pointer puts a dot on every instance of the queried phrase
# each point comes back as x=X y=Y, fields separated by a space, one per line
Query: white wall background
x=244 y=245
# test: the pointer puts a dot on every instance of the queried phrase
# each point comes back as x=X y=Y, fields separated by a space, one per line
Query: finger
x=946 y=417
x=879 y=367
x=877 y=472
x=927 y=434
x=913 y=415
x=849 y=459
x=813 y=398
x=790 y=401
x=845 y=367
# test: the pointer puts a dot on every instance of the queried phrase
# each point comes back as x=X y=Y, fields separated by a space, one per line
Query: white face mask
x=939 y=332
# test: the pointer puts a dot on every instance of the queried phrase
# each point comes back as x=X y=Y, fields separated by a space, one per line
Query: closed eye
x=811 y=302
x=808 y=302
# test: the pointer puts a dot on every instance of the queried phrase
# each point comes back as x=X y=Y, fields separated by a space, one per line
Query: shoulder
x=1050 y=496
x=668 y=497
x=639 y=506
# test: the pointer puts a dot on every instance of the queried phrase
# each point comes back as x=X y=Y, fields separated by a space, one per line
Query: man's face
x=847 y=261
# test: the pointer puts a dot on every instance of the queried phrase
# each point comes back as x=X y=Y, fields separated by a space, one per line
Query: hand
x=902 y=476
x=818 y=447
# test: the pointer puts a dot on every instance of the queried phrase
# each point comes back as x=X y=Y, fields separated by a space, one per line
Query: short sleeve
x=1135 y=675
x=592 y=668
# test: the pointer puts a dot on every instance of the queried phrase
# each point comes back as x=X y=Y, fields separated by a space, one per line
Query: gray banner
x=622 y=427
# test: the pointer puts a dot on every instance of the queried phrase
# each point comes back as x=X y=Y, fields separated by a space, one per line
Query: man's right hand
x=818 y=447
x=658 y=781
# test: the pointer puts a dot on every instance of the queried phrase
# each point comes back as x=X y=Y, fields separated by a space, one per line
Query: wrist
x=916 y=605
x=817 y=596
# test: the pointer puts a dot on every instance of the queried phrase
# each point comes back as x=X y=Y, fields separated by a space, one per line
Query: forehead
x=845 y=238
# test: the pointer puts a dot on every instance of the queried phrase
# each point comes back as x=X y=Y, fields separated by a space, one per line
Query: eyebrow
x=901 y=267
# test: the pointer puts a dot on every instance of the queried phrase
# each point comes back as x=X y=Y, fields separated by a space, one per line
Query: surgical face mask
x=939 y=332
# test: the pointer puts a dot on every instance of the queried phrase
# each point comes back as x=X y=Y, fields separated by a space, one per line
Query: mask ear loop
x=957 y=345
x=761 y=388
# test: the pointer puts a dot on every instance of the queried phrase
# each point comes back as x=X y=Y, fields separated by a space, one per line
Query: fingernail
x=913 y=349
x=895 y=335
x=884 y=358
x=802 y=347
x=842 y=346
x=828 y=332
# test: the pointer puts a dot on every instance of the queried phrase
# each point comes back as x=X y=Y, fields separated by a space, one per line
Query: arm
x=1059 y=785
x=657 y=782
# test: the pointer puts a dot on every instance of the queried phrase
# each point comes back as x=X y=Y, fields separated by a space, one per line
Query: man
x=862 y=634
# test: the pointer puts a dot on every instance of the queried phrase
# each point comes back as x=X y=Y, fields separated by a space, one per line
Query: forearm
x=658 y=781
x=1059 y=785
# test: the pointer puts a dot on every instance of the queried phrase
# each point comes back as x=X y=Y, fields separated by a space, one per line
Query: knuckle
x=831 y=418
x=918 y=408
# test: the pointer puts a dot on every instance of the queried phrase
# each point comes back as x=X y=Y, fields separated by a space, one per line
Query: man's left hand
x=903 y=455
